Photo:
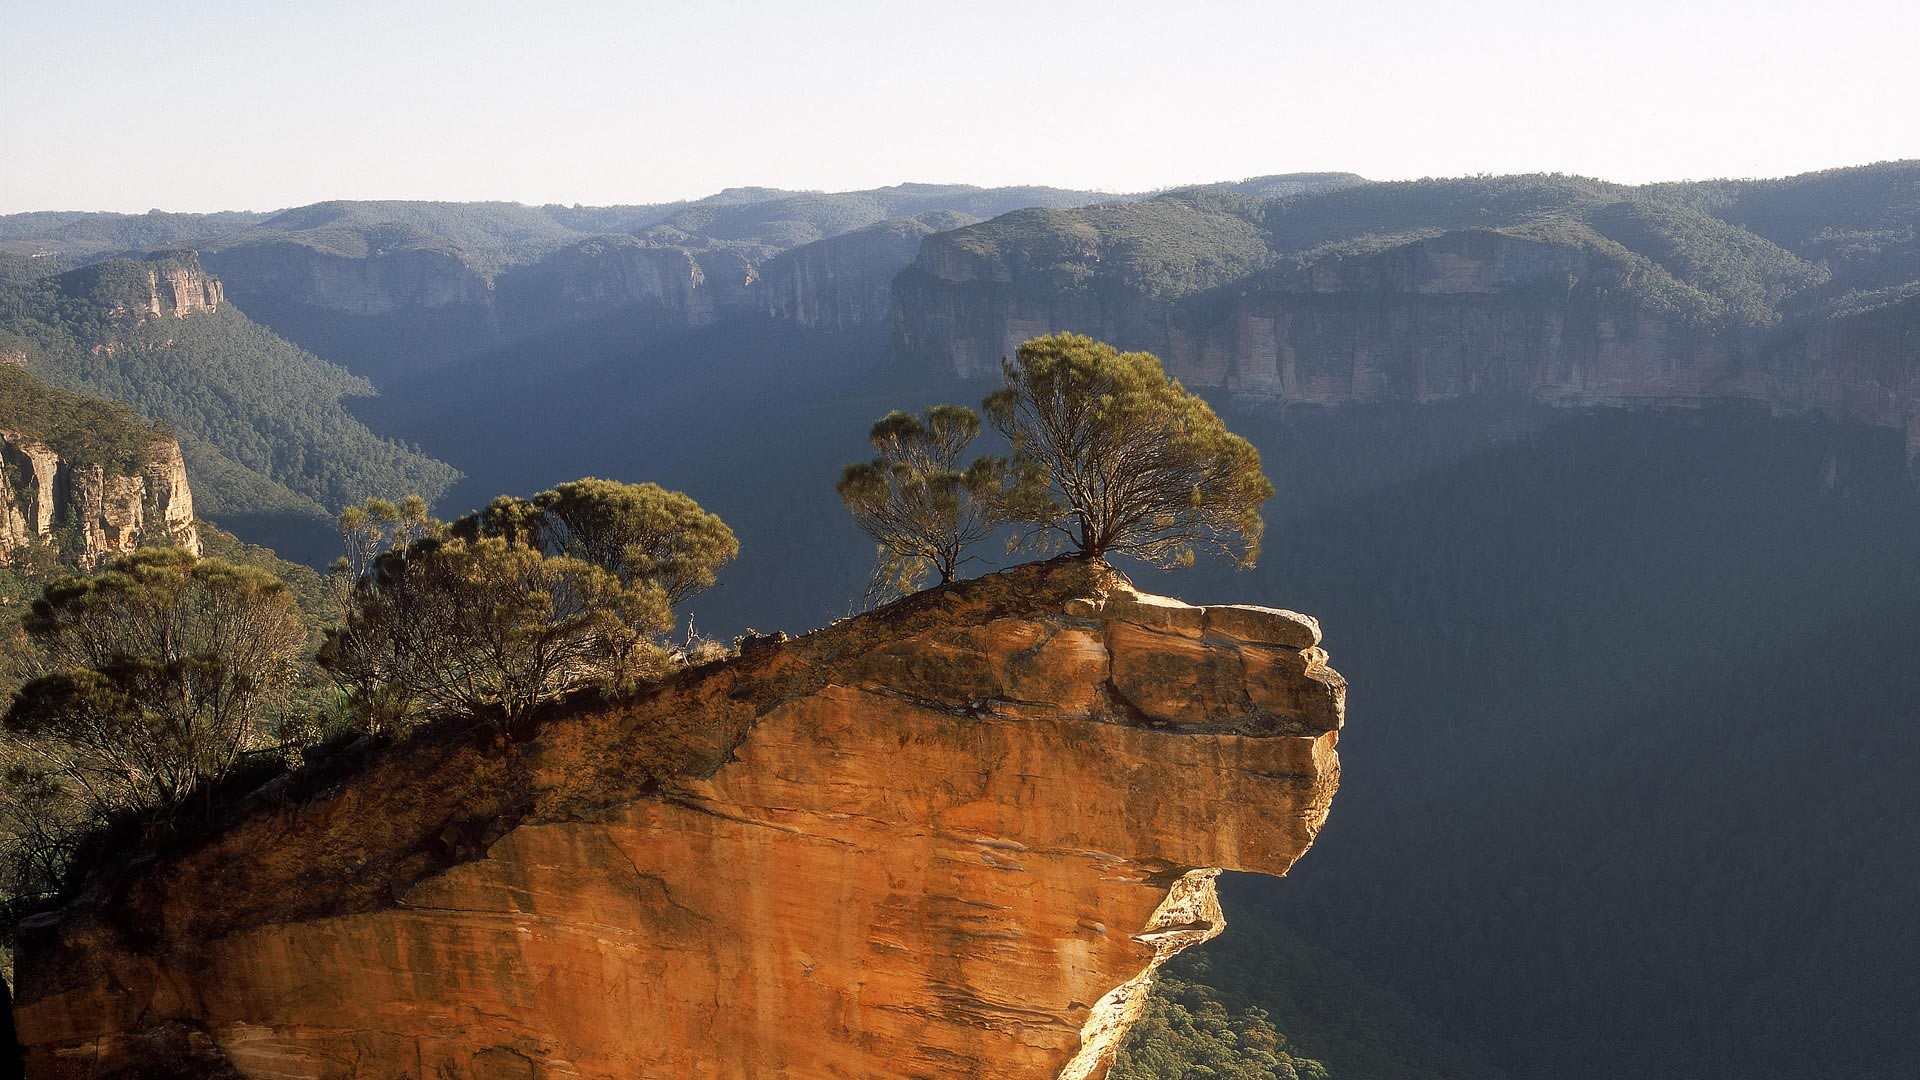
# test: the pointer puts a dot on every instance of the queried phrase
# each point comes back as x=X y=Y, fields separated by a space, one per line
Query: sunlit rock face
x=950 y=838
x=109 y=511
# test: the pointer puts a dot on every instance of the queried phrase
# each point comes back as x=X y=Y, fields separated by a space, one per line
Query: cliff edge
x=85 y=477
x=954 y=837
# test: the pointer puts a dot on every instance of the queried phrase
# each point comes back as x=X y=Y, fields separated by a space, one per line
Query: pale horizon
x=124 y=107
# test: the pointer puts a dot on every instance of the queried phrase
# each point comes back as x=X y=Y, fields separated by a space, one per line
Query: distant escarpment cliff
x=1567 y=291
x=398 y=288
x=952 y=838
x=84 y=480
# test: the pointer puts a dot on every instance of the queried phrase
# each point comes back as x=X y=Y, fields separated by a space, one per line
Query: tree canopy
x=1135 y=464
x=489 y=627
x=151 y=677
x=641 y=532
x=915 y=499
x=517 y=604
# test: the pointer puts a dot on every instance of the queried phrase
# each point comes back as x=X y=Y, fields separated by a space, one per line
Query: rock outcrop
x=951 y=838
x=111 y=511
x=845 y=282
x=165 y=284
x=181 y=291
x=1467 y=312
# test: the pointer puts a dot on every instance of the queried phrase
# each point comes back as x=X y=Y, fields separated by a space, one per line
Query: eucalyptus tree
x=919 y=504
x=1133 y=463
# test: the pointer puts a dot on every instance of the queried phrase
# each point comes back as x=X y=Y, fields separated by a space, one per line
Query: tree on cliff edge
x=915 y=500
x=1136 y=465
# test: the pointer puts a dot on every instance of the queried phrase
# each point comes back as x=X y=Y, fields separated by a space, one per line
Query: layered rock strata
x=1464 y=313
x=951 y=838
x=110 y=511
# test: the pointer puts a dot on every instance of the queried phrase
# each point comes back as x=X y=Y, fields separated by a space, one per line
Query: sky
x=210 y=105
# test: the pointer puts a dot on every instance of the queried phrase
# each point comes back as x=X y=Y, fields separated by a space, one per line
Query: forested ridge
x=82 y=430
x=260 y=420
x=1740 y=254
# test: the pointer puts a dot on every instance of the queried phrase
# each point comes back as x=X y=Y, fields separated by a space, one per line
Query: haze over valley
x=1125 y=619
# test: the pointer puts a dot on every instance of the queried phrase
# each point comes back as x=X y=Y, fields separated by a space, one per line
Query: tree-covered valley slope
x=262 y=422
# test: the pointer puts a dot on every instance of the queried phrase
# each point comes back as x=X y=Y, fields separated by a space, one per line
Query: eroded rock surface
x=952 y=838
x=109 y=510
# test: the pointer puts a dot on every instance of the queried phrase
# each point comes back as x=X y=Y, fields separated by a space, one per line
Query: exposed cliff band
x=85 y=476
x=952 y=838
x=1465 y=313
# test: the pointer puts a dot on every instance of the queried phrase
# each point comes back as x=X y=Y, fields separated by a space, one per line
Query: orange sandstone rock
x=952 y=838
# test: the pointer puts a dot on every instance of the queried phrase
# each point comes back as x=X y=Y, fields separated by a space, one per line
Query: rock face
x=951 y=838
x=113 y=512
x=846 y=282
x=641 y=286
x=373 y=284
x=1462 y=313
x=181 y=291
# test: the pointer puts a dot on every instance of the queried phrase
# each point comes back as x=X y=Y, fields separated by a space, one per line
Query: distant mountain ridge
x=1801 y=295
x=397 y=288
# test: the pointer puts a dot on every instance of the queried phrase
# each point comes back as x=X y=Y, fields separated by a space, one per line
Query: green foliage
x=643 y=533
x=89 y=232
x=1163 y=248
x=916 y=501
x=1747 y=276
x=1188 y=1033
x=260 y=420
x=151 y=677
x=82 y=430
x=489 y=627
x=516 y=605
x=1137 y=465
x=1862 y=222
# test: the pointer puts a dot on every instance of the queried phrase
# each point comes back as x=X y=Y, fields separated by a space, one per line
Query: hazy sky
x=205 y=105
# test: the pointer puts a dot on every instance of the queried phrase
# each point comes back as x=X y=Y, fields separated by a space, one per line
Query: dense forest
x=261 y=421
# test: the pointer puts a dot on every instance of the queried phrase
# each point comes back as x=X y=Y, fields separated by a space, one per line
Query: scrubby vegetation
x=137 y=688
x=81 y=429
x=1188 y=1033
x=517 y=605
x=920 y=505
x=1110 y=457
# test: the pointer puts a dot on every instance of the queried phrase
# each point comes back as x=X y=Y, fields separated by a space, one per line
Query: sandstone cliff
x=1463 y=312
x=952 y=838
x=845 y=282
x=371 y=282
x=86 y=474
x=167 y=284
x=112 y=512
